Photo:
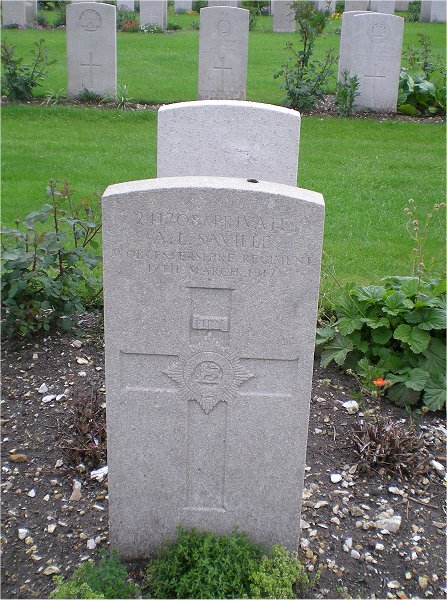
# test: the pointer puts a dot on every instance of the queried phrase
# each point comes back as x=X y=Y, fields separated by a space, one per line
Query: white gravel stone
x=23 y=533
x=336 y=477
x=91 y=544
x=351 y=407
x=31 y=493
x=355 y=554
x=43 y=389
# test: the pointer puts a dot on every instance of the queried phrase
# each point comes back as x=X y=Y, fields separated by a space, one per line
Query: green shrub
x=125 y=16
x=198 y=4
x=42 y=264
x=205 y=565
x=173 y=26
x=392 y=335
x=61 y=17
x=305 y=79
x=41 y=20
x=106 y=579
x=414 y=11
x=346 y=92
x=19 y=79
x=418 y=96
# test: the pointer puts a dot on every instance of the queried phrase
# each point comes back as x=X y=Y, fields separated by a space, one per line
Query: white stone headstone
x=346 y=52
x=383 y=6
x=91 y=48
x=375 y=48
x=13 y=12
x=154 y=12
x=30 y=10
x=125 y=5
x=425 y=11
x=182 y=5
x=438 y=11
x=227 y=138
x=234 y=3
x=210 y=301
x=351 y=5
x=223 y=53
x=283 y=17
x=402 y=5
x=325 y=5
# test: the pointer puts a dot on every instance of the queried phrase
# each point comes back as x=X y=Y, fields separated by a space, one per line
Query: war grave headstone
x=223 y=53
x=182 y=5
x=30 y=10
x=425 y=11
x=227 y=138
x=345 y=53
x=402 y=5
x=125 y=5
x=78 y=1
x=91 y=48
x=325 y=5
x=383 y=6
x=356 y=5
x=374 y=48
x=234 y=3
x=154 y=12
x=283 y=17
x=438 y=11
x=211 y=289
x=13 y=12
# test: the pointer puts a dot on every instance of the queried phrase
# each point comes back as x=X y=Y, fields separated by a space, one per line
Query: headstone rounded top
x=240 y=105
x=230 y=9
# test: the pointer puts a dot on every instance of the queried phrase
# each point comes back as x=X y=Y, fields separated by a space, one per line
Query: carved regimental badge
x=90 y=20
x=378 y=32
x=208 y=374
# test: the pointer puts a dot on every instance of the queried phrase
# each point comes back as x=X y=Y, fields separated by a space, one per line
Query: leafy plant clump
x=393 y=336
x=381 y=443
x=347 y=90
x=18 y=78
x=106 y=579
x=305 y=79
x=45 y=260
x=205 y=565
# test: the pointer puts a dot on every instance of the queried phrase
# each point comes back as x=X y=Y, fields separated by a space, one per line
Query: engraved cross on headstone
x=90 y=65
x=209 y=375
x=222 y=70
x=374 y=77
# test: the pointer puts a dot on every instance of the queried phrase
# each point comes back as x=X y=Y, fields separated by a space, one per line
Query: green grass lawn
x=366 y=169
x=162 y=68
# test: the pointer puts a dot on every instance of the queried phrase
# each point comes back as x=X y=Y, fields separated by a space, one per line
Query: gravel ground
x=50 y=525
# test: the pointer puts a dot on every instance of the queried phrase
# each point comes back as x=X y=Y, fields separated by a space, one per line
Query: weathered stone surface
x=283 y=17
x=154 y=12
x=438 y=11
x=373 y=53
x=91 y=48
x=347 y=24
x=325 y=5
x=223 y=53
x=211 y=288
x=402 y=5
x=182 y=5
x=358 y=5
x=383 y=6
x=227 y=138
x=234 y=3
x=13 y=12
x=125 y=4
x=425 y=11
x=30 y=10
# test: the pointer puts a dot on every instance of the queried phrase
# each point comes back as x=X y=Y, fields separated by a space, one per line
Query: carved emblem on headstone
x=208 y=374
x=90 y=20
x=223 y=26
x=378 y=32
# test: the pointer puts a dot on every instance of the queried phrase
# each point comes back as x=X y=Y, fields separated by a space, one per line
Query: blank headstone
x=283 y=17
x=125 y=5
x=383 y=6
x=210 y=293
x=234 y=3
x=346 y=37
x=13 y=12
x=228 y=138
x=375 y=49
x=30 y=10
x=223 y=53
x=154 y=12
x=325 y=5
x=402 y=5
x=425 y=11
x=438 y=11
x=351 y=5
x=91 y=48
x=182 y=5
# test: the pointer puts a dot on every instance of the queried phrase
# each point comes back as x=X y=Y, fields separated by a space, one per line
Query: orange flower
x=379 y=382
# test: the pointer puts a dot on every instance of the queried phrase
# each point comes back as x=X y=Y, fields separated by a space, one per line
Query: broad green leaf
x=414 y=379
x=427 y=318
x=375 y=323
x=324 y=334
x=336 y=351
x=381 y=335
x=370 y=293
x=358 y=342
x=407 y=109
x=401 y=395
x=347 y=325
x=435 y=392
x=390 y=360
x=417 y=339
x=410 y=286
x=396 y=303
x=434 y=356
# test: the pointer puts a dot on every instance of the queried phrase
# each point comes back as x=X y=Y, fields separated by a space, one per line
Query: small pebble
x=31 y=493
x=43 y=389
x=23 y=532
x=336 y=477
x=355 y=554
